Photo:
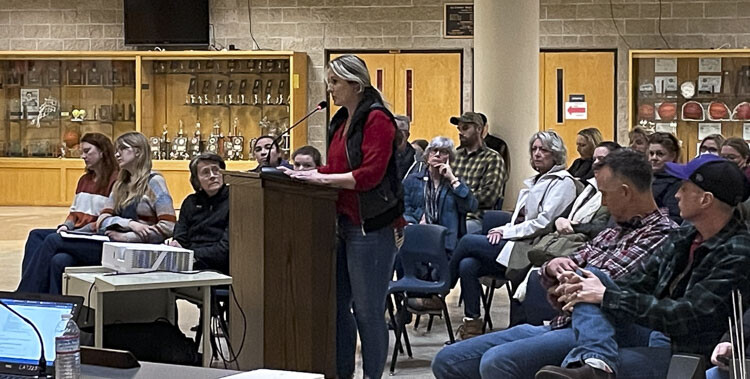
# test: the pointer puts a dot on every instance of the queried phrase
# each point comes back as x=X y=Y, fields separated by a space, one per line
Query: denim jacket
x=454 y=203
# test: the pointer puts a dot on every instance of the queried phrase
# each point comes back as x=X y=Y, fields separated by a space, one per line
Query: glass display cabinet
x=188 y=102
x=690 y=93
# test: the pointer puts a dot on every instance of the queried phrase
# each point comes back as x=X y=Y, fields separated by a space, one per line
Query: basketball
x=718 y=111
x=646 y=112
x=742 y=111
x=667 y=111
x=71 y=138
x=692 y=110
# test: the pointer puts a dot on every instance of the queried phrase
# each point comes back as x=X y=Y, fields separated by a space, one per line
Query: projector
x=143 y=257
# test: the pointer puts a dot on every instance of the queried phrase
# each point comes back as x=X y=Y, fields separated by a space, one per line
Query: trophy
x=195 y=142
x=286 y=67
x=258 y=65
x=116 y=80
x=282 y=90
x=256 y=91
x=269 y=86
x=206 y=87
x=250 y=66
x=53 y=74
x=179 y=145
x=194 y=66
x=230 y=90
x=214 y=144
x=242 y=90
x=279 y=65
x=164 y=143
x=231 y=65
x=234 y=143
x=93 y=76
x=155 y=144
x=217 y=92
x=209 y=65
x=192 y=88
x=74 y=75
x=269 y=66
x=34 y=76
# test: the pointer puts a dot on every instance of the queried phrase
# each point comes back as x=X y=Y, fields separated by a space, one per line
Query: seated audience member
x=419 y=164
x=587 y=216
x=663 y=148
x=499 y=145
x=736 y=150
x=586 y=141
x=139 y=209
x=92 y=191
x=624 y=180
x=437 y=196
x=481 y=168
x=267 y=152
x=639 y=140
x=723 y=352
x=684 y=290
x=203 y=225
x=420 y=145
x=306 y=158
x=545 y=197
x=711 y=144
x=405 y=152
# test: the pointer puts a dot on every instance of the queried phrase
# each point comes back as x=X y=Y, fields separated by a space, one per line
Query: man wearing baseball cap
x=481 y=168
x=684 y=290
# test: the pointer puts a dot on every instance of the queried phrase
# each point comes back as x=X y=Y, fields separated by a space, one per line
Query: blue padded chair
x=492 y=219
x=423 y=244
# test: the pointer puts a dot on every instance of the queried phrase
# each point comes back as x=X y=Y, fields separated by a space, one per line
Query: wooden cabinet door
x=591 y=74
x=428 y=90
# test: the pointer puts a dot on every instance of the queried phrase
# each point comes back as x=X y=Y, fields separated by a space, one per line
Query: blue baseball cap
x=716 y=175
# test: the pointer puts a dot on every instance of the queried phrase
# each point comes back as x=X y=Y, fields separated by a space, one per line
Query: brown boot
x=583 y=372
x=471 y=327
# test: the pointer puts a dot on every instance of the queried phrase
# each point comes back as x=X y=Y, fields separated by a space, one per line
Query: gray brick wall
x=315 y=25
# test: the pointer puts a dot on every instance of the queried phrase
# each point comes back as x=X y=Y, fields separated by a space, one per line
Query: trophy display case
x=46 y=105
x=189 y=102
x=690 y=93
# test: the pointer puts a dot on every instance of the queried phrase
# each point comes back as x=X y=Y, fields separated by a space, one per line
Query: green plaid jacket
x=484 y=172
x=695 y=315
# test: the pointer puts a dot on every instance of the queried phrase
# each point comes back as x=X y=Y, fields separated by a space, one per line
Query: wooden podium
x=282 y=261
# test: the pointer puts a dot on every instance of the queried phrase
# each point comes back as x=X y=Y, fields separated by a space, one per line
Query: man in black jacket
x=203 y=225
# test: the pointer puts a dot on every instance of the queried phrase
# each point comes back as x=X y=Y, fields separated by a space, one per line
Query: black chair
x=687 y=366
x=492 y=219
x=219 y=326
x=423 y=244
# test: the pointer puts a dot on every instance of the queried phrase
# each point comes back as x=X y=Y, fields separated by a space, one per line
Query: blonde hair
x=593 y=135
x=132 y=183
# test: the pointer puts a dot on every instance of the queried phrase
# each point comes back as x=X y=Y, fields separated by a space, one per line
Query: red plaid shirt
x=616 y=251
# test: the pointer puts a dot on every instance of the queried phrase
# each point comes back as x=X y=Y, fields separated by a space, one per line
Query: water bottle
x=67 y=350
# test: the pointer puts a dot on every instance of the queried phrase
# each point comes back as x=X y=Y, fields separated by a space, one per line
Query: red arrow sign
x=576 y=110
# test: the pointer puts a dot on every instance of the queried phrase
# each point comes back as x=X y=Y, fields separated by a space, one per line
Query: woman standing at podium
x=361 y=151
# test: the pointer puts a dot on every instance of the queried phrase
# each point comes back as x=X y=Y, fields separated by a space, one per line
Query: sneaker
x=471 y=327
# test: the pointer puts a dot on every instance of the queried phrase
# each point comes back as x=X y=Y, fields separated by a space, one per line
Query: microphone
x=42 y=360
x=321 y=105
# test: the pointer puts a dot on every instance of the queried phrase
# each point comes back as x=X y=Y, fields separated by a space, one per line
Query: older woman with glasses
x=437 y=196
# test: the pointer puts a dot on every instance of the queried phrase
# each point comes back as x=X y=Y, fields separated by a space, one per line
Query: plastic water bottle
x=67 y=349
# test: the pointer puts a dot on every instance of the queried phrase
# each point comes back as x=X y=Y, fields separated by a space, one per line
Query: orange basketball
x=718 y=111
x=71 y=138
x=692 y=111
x=667 y=111
x=646 y=112
x=742 y=112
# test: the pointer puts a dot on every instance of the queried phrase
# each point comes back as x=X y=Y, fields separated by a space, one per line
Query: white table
x=141 y=297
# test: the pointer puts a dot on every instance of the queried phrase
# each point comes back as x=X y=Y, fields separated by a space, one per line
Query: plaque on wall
x=458 y=21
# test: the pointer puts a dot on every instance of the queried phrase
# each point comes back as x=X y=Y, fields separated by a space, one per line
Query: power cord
x=662 y=35
x=612 y=14
x=250 y=25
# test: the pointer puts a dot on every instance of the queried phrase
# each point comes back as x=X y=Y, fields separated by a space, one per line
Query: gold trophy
x=164 y=143
x=215 y=140
x=234 y=143
x=179 y=145
x=154 y=143
x=196 y=141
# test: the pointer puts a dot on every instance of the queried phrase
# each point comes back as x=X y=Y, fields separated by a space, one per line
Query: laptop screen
x=19 y=343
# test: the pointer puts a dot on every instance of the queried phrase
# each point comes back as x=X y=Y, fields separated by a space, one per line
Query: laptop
x=19 y=344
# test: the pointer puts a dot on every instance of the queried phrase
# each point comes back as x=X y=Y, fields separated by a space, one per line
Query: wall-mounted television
x=166 y=23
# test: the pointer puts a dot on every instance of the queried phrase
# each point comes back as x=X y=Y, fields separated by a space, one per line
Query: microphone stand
x=42 y=361
x=272 y=170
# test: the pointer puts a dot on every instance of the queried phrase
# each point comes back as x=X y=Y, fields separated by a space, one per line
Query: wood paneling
x=587 y=73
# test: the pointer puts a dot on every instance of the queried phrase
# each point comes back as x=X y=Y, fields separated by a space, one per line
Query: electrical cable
x=662 y=35
x=250 y=26
x=612 y=14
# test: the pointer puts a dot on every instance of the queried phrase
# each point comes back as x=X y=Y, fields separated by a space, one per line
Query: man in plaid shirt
x=624 y=179
x=684 y=289
x=481 y=168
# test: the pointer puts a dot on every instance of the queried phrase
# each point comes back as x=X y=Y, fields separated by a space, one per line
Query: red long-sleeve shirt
x=377 y=143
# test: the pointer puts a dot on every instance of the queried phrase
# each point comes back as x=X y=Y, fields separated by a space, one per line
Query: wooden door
x=591 y=74
x=428 y=90
x=424 y=86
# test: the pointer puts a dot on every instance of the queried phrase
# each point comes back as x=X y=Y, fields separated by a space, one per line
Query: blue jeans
x=364 y=267
x=33 y=242
x=37 y=273
x=473 y=258
x=518 y=352
x=716 y=373
x=597 y=337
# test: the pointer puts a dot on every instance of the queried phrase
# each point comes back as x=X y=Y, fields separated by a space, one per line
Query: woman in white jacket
x=545 y=197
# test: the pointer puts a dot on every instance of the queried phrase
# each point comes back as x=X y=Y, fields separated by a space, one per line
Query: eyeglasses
x=440 y=151
x=209 y=171
x=122 y=148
